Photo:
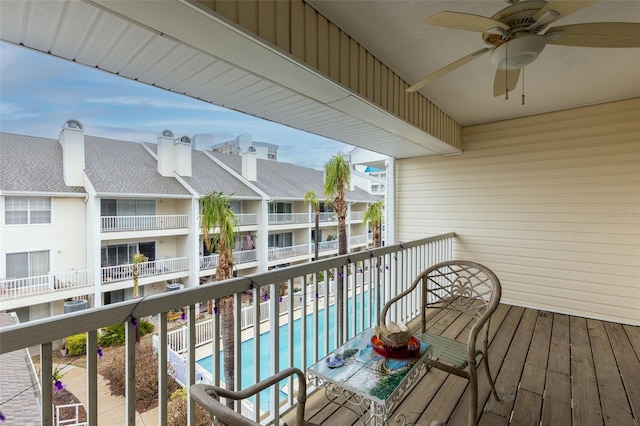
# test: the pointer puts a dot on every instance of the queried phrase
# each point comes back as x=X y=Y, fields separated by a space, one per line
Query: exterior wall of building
x=64 y=237
x=549 y=202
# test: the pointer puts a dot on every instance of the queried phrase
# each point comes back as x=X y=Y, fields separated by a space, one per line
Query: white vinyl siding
x=550 y=202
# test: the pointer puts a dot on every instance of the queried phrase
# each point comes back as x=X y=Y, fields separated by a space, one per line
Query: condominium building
x=74 y=211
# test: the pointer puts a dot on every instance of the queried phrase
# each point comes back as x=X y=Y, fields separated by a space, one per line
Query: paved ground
x=110 y=408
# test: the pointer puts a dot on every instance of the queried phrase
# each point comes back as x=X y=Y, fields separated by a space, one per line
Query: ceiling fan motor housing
x=518 y=52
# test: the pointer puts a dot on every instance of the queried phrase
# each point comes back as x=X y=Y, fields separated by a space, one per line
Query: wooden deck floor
x=550 y=369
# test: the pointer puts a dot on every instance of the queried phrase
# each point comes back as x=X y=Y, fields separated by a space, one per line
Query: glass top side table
x=370 y=383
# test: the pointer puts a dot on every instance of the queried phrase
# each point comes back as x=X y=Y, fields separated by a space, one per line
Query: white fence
x=141 y=223
x=291 y=251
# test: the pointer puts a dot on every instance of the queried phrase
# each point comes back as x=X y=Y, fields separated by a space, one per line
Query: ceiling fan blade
x=505 y=80
x=596 y=34
x=562 y=8
x=464 y=21
x=442 y=71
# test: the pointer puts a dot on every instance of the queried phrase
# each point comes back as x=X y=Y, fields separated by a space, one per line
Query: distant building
x=74 y=211
x=241 y=144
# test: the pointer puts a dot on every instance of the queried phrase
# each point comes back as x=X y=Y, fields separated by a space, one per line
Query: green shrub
x=115 y=334
x=77 y=344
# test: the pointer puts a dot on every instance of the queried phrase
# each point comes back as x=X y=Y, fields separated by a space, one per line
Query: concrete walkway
x=111 y=409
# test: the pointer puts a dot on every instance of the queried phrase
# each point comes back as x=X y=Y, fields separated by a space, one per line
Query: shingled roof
x=32 y=164
x=289 y=182
x=118 y=167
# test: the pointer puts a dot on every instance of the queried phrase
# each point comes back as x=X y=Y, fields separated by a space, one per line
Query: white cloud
x=11 y=111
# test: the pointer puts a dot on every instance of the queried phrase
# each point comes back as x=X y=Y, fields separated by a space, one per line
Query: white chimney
x=182 y=152
x=165 y=153
x=72 y=140
x=250 y=165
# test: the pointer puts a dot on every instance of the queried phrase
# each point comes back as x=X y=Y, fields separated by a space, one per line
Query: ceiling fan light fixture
x=518 y=52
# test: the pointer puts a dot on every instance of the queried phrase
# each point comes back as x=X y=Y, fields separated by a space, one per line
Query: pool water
x=247 y=347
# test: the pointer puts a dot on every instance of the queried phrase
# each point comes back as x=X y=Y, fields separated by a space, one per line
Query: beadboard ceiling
x=170 y=47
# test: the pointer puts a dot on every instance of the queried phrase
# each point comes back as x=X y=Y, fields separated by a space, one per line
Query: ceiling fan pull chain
x=506 y=71
x=522 y=85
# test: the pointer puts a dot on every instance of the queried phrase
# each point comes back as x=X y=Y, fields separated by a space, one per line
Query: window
x=279 y=208
x=27 y=210
x=272 y=153
x=110 y=207
x=121 y=254
x=284 y=239
x=27 y=264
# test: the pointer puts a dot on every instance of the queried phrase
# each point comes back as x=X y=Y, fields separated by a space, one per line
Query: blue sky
x=39 y=93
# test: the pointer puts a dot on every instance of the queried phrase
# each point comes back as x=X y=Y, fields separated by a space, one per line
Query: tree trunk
x=317 y=239
x=342 y=249
x=376 y=236
x=226 y=329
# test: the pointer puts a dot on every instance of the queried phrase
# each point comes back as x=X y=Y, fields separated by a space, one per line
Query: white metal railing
x=145 y=269
x=356 y=216
x=291 y=251
x=328 y=245
x=141 y=223
x=387 y=270
x=359 y=239
x=209 y=262
x=30 y=286
x=288 y=218
x=328 y=217
x=247 y=219
x=239 y=257
x=245 y=256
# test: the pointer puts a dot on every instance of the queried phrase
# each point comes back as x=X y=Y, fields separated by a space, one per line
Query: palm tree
x=373 y=215
x=337 y=175
x=311 y=198
x=138 y=258
x=217 y=213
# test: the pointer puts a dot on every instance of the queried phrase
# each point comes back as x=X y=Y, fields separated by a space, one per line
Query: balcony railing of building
x=328 y=245
x=245 y=219
x=239 y=257
x=31 y=286
x=145 y=269
x=386 y=271
x=291 y=251
x=360 y=239
x=143 y=223
x=327 y=217
x=288 y=218
x=356 y=216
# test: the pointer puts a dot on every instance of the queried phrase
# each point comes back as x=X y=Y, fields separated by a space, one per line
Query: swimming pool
x=247 y=347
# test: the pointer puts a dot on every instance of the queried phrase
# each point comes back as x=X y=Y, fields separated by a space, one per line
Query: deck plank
x=509 y=376
x=586 y=399
x=535 y=367
x=556 y=403
x=615 y=407
x=559 y=350
x=628 y=364
x=633 y=333
x=527 y=408
x=498 y=347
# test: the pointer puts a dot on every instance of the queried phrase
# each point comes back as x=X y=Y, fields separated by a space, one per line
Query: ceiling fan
x=518 y=33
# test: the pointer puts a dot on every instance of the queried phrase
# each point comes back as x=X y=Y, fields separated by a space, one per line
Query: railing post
x=92 y=377
x=130 y=372
x=46 y=374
